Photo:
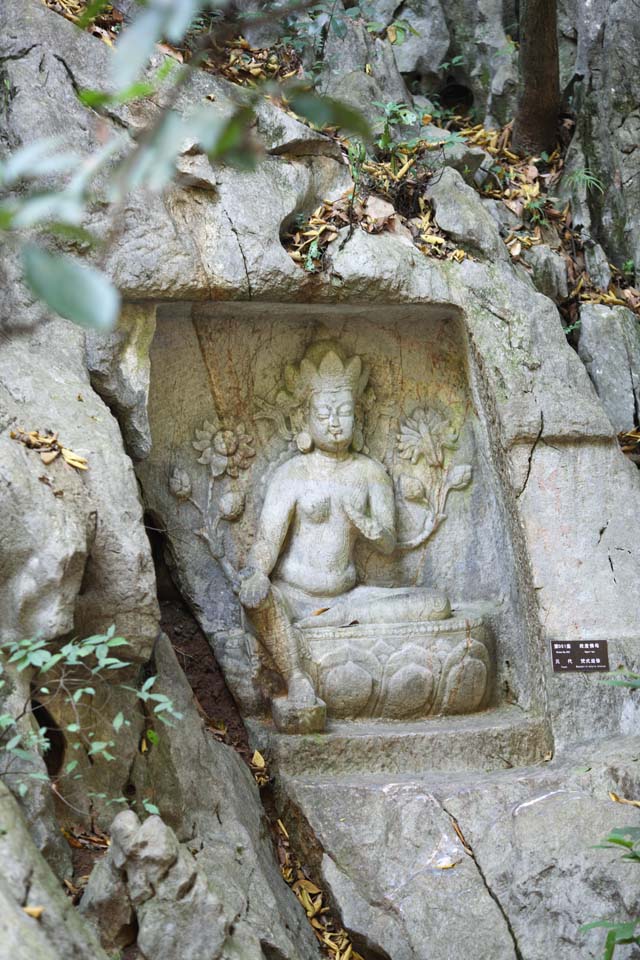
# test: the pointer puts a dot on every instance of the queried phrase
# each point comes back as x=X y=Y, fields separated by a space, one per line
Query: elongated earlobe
x=304 y=442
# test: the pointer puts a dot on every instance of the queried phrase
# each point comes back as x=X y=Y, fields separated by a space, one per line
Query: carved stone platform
x=400 y=671
x=493 y=740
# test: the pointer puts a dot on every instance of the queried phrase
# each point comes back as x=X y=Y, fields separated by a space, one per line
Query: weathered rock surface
x=422 y=52
x=37 y=804
x=208 y=798
x=357 y=62
x=601 y=44
x=460 y=213
x=479 y=32
x=27 y=881
x=549 y=271
x=472 y=163
x=118 y=364
x=609 y=346
x=514 y=851
x=563 y=529
x=89 y=564
x=149 y=890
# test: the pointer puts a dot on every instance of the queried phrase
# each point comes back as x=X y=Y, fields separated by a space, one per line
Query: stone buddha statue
x=300 y=578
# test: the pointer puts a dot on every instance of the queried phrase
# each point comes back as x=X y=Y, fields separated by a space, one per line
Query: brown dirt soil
x=203 y=673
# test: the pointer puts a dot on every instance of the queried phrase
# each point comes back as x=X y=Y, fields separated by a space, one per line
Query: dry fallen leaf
x=617 y=799
x=258 y=760
x=35 y=912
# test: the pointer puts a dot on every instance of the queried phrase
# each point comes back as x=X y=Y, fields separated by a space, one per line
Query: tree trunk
x=536 y=124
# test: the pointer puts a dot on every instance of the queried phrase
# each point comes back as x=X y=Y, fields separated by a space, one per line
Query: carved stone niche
x=333 y=513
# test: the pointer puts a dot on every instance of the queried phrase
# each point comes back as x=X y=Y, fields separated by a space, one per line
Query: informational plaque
x=579 y=656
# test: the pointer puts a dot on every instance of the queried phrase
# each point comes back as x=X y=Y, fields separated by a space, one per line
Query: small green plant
x=583 y=178
x=627 y=839
x=394 y=115
x=454 y=62
x=442 y=114
x=71 y=675
x=396 y=32
x=619 y=932
x=629 y=269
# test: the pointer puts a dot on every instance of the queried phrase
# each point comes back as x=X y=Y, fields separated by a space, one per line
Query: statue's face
x=331 y=416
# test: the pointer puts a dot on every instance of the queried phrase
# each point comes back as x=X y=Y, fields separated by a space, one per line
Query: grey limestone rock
x=467 y=160
x=119 y=367
x=514 y=850
x=208 y=798
x=37 y=804
x=77 y=574
x=549 y=271
x=360 y=69
x=600 y=51
x=27 y=881
x=422 y=52
x=480 y=33
x=460 y=213
x=149 y=889
x=609 y=346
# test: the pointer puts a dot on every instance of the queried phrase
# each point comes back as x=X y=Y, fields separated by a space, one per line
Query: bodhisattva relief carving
x=342 y=647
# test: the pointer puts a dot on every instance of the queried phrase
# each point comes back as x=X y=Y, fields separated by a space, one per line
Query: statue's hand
x=368 y=527
x=254 y=587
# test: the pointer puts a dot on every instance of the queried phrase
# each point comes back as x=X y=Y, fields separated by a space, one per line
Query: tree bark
x=536 y=123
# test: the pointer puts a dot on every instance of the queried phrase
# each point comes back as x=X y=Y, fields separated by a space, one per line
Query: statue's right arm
x=277 y=511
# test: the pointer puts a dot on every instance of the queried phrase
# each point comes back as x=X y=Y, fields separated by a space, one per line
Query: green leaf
x=152 y=737
x=150 y=807
x=118 y=720
x=326 y=112
x=118 y=642
x=97 y=98
x=78 y=292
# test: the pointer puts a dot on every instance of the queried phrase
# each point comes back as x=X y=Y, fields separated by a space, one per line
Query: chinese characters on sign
x=579 y=656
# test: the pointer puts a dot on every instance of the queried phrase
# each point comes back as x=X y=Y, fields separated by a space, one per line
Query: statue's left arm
x=379 y=527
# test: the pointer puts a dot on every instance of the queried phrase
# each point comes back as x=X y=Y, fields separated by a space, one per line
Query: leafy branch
x=71 y=676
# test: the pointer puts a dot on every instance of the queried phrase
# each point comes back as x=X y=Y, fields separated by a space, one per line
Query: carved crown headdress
x=325 y=367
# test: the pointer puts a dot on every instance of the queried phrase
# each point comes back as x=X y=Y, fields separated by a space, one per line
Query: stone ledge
x=494 y=740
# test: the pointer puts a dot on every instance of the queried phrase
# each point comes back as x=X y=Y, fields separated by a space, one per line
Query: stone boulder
x=421 y=53
x=37 y=918
x=118 y=364
x=149 y=889
x=460 y=213
x=480 y=31
x=426 y=866
x=600 y=44
x=548 y=270
x=359 y=62
x=472 y=163
x=609 y=346
x=80 y=559
x=208 y=799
